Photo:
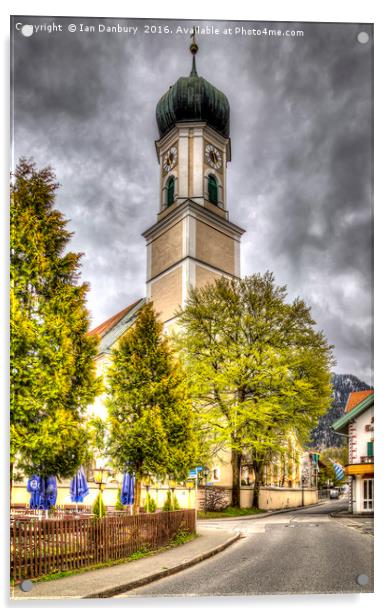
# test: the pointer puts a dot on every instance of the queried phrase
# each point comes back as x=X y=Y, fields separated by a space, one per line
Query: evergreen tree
x=99 y=509
x=150 y=504
x=52 y=355
x=150 y=417
x=258 y=369
x=118 y=503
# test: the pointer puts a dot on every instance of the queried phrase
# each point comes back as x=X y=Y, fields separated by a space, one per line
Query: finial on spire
x=193 y=49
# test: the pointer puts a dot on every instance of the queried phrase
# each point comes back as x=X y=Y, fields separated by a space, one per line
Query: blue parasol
x=127 y=492
x=78 y=487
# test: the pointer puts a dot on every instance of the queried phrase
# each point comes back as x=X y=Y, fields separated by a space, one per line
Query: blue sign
x=194 y=472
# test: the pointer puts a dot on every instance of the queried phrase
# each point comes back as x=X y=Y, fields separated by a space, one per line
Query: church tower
x=193 y=242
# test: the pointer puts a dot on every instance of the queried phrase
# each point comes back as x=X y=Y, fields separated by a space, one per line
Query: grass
x=180 y=538
x=229 y=512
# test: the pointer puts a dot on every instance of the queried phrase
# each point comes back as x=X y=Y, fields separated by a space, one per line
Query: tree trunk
x=137 y=495
x=236 y=485
x=258 y=467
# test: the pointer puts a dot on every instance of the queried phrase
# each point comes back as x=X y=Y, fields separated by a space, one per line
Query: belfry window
x=213 y=189
x=170 y=191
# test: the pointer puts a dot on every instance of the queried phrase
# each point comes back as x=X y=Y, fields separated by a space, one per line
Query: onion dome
x=193 y=99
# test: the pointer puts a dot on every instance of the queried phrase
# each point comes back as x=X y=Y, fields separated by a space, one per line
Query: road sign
x=194 y=472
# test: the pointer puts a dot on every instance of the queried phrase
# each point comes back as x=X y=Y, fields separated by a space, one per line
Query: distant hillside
x=323 y=436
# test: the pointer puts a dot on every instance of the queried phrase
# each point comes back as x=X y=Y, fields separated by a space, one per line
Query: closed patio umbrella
x=79 y=487
x=127 y=492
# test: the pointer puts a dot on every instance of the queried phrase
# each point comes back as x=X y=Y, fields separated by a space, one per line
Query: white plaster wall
x=283 y=498
x=360 y=437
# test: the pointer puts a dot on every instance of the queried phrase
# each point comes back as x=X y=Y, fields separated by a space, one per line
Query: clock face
x=170 y=159
x=213 y=156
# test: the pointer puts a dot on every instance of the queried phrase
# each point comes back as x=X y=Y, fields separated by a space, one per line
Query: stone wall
x=167 y=249
x=214 y=247
x=166 y=294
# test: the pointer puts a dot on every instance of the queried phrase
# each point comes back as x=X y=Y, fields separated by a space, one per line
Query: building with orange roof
x=357 y=424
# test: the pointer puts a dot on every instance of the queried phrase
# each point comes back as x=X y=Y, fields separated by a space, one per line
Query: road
x=298 y=552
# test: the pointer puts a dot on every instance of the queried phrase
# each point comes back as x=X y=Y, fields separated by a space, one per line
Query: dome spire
x=193 y=49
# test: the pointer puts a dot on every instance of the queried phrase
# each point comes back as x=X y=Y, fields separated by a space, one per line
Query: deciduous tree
x=258 y=368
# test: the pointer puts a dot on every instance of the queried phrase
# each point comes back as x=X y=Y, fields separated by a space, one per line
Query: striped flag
x=339 y=470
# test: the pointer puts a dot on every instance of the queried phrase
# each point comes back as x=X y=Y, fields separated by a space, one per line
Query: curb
x=351 y=516
x=258 y=516
x=116 y=590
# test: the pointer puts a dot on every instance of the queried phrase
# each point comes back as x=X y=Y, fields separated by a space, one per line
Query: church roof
x=193 y=99
x=105 y=327
x=113 y=328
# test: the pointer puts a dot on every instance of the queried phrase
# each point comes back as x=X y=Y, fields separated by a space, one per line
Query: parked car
x=334 y=493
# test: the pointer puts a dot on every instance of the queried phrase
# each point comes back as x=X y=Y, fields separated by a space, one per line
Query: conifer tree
x=150 y=417
x=52 y=355
x=258 y=369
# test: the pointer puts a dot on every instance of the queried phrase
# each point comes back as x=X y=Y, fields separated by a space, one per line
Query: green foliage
x=99 y=509
x=97 y=431
x=150 y=417
x=229 y=512
x=182 y=536
x=150 y=504
x=258 y=370
x=171 y=502
x=168 y=504
x=337 y=454
x=118 y=504
x=52 y=356
x=327 y=475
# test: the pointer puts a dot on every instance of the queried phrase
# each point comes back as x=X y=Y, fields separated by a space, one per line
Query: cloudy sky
x=300 y=179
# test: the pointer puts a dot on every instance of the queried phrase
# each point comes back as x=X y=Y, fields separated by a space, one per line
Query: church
x=192 y=241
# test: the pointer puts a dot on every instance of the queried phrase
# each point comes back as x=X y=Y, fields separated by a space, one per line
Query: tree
x=52 y=355
x=150 y=417
x=258 y=369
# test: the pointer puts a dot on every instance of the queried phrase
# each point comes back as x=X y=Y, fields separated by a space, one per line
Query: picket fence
x=41 y=547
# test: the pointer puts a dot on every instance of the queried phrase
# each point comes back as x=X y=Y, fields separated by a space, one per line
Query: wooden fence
x=39 y=547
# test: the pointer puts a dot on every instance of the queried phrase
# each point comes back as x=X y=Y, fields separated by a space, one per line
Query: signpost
x=193 y=474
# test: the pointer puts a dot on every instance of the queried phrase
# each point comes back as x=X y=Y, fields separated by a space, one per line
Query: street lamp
x=206 y=472
x=100 y=476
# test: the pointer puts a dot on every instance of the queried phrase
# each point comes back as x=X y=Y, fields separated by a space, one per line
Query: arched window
x=170 y=190
x=213 y=189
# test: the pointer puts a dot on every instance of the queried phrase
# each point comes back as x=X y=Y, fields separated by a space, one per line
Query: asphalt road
x=298 y=552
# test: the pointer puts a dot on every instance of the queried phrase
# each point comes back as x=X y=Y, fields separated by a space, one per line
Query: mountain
x=323 y=435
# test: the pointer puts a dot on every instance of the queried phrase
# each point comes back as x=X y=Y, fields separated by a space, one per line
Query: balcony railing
x=366 y=459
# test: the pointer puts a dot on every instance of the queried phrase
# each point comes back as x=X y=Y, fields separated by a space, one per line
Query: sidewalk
x=111 y=581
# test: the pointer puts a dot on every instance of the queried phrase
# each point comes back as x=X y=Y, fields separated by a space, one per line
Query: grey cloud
x=300 y=180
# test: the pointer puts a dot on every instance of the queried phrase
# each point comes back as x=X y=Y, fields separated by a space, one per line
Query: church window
x=170 y=191
x=213 y=189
